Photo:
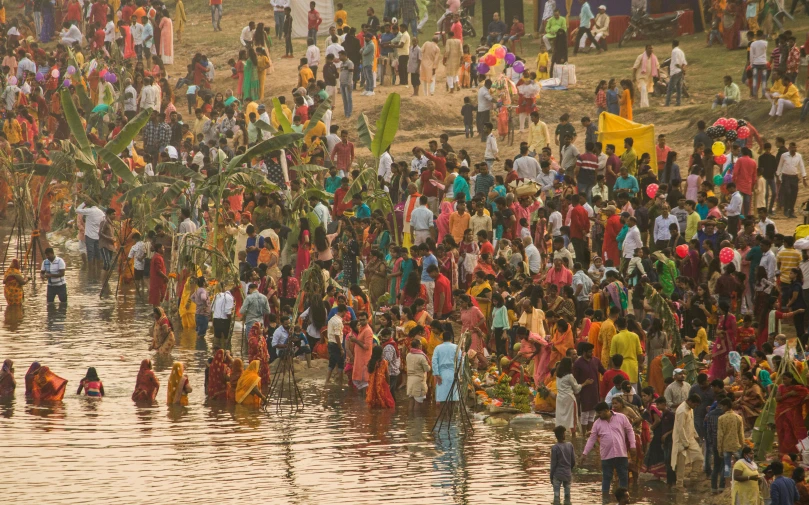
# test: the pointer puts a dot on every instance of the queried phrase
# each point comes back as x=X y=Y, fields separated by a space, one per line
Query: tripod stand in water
x=461 y=380
x=283 y=383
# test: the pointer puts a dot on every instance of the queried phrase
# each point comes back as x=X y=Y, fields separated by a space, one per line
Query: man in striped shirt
x=585 y=173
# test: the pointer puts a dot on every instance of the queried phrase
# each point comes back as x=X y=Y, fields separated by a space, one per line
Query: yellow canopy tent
x=614 y=129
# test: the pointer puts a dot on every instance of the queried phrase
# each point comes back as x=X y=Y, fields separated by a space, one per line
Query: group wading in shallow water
x=637 y=301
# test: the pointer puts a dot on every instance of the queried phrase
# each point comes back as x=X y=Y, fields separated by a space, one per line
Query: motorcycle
x=664 y=27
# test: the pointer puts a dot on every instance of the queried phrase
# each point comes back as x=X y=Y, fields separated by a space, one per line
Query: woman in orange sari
x=218 y=377
x=7 y=382
x=179 y=386
x=257 y=351
x=378 y=395
x=562 y=341
x=248 y=389
x=236 y=370
x=13 y=281
x=751 y=402
x=146 y=385
x=43 y=385
x=360 y=302
x=789 y=423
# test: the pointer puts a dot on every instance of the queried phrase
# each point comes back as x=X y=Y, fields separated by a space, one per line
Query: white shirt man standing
x=93 y=217
x=676 y=72
x=385 y=162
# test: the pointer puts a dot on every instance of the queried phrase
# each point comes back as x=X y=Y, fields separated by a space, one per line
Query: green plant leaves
x=387 y=125
x=128 y=132
x=364 y=131
x=283 y=121
x=267 y=146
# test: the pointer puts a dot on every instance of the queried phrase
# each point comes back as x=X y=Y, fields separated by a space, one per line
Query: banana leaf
x=308 y=193
x=262 y=148
x=74 y=122
x=128 y=132
x=151 y=189
x=387 y=125
x=364 y=131
x=171 y=193
x=283 y=121
x=763 y=433
x=366 y=178
x=261 y=125
x=316 y=117
x=118 y=167
x=175 y=169
x=309 y=169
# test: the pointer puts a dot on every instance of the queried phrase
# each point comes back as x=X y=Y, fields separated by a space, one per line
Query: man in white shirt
x=676 y=72
x=321 y=211
x=734 y=209
x=313 y=57
x=546 y=179
x=490 y=155
x=790 y=166
x=532 y=255
x=526 y=166
x=662 y=233
x=53 y=269
x=221 y=311
x=69 y=35
x=758 y=60
x=278 y=7
x=421 y=222
x=246 y=38
x=148 y=96
x=419 y=161
x=768 y=260
x=93 y=217
x=335 y=344
x=130 y=100
x=554 y=220
x=186 y=226
x=631 y=242
x=385 y=162
x=109 y=34
x=335 y=48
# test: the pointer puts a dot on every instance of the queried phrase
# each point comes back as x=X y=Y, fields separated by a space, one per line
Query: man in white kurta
x=444 y=369
x=685 y=449
x=644 y=71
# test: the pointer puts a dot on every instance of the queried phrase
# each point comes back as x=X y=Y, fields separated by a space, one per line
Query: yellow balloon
x=718 y=148
x=495 y=47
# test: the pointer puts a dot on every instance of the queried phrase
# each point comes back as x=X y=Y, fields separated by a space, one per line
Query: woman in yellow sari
x=179 y=387
x=13 y=282
x=545 y=400
x=188 y=309
x=248 y=389
x=482 y=291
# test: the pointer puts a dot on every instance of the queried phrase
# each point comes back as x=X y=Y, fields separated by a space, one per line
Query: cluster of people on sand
x=642 y=301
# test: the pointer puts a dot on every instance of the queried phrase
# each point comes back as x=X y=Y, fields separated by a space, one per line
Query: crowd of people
x=600 y=279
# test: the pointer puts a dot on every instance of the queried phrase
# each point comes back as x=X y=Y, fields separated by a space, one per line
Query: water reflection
x=334 y=451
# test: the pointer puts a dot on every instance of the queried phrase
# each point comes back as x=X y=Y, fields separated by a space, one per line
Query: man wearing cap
x=601 y=28
x=677 y=392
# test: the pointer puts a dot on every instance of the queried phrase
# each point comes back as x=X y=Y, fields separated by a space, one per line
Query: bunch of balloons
x=499 y=55
x=729 y=128
x=718 y=150
x=110 y=78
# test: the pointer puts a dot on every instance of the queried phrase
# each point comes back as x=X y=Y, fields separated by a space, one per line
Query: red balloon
x=721 y=159
x=743 y=132
x=726 y=255
x=651 y=190
x=731 y=124
x=490 y=60
x=682 y=250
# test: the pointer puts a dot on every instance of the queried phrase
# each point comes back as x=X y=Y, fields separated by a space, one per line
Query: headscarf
x=13 y=267
x=146 y=381
x=7 y=382
x=175 y=384
x=44 y=377
x=249 y=380
x=217 y=384
x=91 y=375
x=236 y=370
x=443 y=218
x=29 y=379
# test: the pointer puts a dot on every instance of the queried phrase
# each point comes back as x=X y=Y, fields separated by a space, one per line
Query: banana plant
x=367 y=184
x=386 y=127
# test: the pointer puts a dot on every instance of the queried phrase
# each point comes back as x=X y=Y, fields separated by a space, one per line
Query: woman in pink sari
x=166 y=38
x=442 y=223
x=724 y=343
x=473 y=321
x=536 y=348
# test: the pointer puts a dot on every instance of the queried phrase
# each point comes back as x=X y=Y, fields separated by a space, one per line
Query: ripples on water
x=87 y=450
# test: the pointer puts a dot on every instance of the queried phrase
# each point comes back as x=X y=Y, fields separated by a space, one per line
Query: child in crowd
x=563 y=461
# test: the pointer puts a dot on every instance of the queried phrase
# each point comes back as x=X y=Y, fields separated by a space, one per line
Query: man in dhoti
x=453 y=54
x=685 y=449
x=601 y=27
x=644 y=71
x=430 y=59
x=444 y=369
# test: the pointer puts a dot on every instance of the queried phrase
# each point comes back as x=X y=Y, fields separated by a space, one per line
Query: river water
x=336 y=450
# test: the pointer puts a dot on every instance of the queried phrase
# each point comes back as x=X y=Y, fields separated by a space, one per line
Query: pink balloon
x=651 y=190
x=726 y=255
x=743 y=132
x=682 y=250
x=731 y=124
x=500 y=52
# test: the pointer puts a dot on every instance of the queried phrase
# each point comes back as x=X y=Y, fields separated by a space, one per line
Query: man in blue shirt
x=585 y=17
x=361 y=209
x=255 y=243
x=497 y=29
x=427 y=259
x=783 y=490
x=626 y=183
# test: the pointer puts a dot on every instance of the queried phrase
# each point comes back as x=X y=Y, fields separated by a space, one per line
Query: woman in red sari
x=146 y=385
x=236 y=369
x=611 y=231
x=218 y=377
x=43 y=385
x=724 y=343
x=257 y=350
x=378 y=395
x=412 y=290
x=789 y=424
x=732 y=21
x=129 y=40
x=7 y=382
x=158 y=280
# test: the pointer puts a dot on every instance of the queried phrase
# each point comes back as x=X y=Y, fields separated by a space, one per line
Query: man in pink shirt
x=745 y=171
x=662 y=152
x=313 y=22
x=343 y=153
x=613 y=432
x=559 y=275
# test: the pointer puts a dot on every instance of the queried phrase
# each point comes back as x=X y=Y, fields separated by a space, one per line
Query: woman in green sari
x=250 y=86
x=666 y=271
x=382 y=240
